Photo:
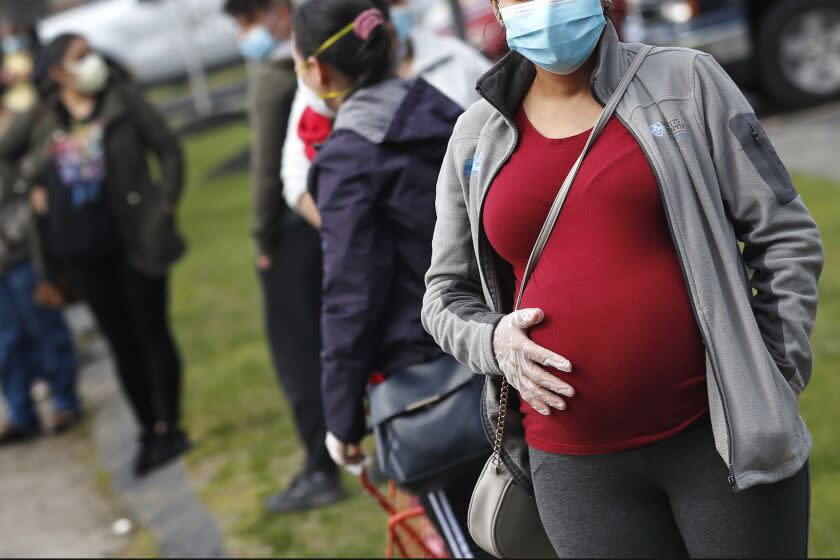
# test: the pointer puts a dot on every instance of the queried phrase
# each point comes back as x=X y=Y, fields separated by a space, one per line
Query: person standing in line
x=21 y=66
x=653 y=409
x=373 y=182
x=112 y=226
x=289 y=250
x=447 y=63
x=35 y=342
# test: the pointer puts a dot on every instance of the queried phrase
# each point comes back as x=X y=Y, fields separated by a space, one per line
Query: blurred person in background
x=35 y=343
x=112 y=226
x=373 y=181
x=22 y=66
x=288 y=249
x=449 y=64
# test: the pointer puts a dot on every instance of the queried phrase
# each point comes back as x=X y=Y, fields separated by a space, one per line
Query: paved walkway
x=51 y=506
x=163 y=502
x=809 y=141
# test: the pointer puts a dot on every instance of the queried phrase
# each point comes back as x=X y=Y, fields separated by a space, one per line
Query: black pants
x=669 y=499
x=292 y=307
x=131 y=309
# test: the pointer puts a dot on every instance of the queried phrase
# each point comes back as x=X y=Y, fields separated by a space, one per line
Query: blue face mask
x=403 y=22
x=15 y=43
x=258 y=43
x=557 y=35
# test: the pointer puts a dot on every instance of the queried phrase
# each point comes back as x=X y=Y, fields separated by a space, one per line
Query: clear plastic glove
x=347 y=455
x=523 y=362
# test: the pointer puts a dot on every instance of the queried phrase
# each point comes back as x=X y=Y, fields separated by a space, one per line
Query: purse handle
x=551 y=220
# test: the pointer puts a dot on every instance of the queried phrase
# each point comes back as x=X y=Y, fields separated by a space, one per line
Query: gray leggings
x=668 y=499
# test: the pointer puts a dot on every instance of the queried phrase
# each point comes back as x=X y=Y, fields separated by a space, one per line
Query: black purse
x=427 y=424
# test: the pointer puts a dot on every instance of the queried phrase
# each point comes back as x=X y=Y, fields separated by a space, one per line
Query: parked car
x=152 y=38
x=788 y=48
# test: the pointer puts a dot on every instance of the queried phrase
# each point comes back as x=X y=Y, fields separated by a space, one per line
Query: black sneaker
x=161 y=450
x=11 y=434
x=144 y=452
x=307 y=491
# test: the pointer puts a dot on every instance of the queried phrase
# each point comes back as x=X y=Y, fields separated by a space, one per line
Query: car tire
x=795 y=37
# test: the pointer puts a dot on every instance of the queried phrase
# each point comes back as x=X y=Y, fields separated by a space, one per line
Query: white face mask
x=313 y=100
x=91 y=73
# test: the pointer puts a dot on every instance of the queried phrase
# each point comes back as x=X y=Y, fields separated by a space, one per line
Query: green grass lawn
x=219 y=77
x=820 y=401
x=234 y=409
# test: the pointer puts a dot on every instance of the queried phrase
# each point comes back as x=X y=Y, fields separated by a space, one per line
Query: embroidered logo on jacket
x=473 y=166
x=675 y=128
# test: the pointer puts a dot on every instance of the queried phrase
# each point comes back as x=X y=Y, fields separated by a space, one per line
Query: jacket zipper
x=730 y=466
x=492 y=177
x=762 y=147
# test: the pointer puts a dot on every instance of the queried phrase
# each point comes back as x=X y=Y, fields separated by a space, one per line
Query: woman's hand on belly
x=522 y=361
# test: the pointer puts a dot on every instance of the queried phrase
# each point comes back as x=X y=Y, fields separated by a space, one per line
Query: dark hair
x=54 y=52
x=383 y=6
x=250 y=7
x=364 y=63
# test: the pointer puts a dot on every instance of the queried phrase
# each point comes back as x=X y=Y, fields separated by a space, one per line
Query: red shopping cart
x=410 y=533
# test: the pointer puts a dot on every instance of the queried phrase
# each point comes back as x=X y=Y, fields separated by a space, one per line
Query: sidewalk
x=51 y=505
x=807 y=141
x=163 y=502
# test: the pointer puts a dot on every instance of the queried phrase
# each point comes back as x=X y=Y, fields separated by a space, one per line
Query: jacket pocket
x=753 y=139
x=155 y=235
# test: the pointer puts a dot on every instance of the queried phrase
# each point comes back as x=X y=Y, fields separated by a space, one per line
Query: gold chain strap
x=500 y=426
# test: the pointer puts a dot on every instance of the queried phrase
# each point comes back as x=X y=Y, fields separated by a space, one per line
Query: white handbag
x=503 y=518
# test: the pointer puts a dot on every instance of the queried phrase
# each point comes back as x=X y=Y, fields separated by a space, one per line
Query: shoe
x=162 y=450
x=11 y=434
x=307 y=491
x=65 y=420
x=141 y=461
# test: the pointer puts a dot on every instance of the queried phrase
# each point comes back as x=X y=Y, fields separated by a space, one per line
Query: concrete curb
x=164 y=502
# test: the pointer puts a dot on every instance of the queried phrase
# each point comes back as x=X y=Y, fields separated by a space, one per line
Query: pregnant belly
x=638 y=366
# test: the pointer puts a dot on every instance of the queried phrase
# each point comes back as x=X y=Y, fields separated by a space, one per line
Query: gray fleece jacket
x=721 y=182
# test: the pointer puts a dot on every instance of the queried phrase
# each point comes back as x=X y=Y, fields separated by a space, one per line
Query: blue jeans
x=35 y=343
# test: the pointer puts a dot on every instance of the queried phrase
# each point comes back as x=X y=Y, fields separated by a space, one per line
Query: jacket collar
x=505 y=85
x=370 y=111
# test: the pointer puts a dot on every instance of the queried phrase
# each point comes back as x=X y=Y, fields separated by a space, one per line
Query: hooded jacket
x=374 y=183
x=450 y=65
x=721 y=182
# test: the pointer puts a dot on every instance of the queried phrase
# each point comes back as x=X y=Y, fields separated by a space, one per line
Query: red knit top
x=611 y=287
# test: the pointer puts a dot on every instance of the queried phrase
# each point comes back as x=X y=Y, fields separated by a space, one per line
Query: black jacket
x=143 y=208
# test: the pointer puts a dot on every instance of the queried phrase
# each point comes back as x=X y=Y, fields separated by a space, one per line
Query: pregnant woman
x=658 y=380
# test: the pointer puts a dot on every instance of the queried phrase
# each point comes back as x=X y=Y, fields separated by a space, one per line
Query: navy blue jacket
x=374 y=183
